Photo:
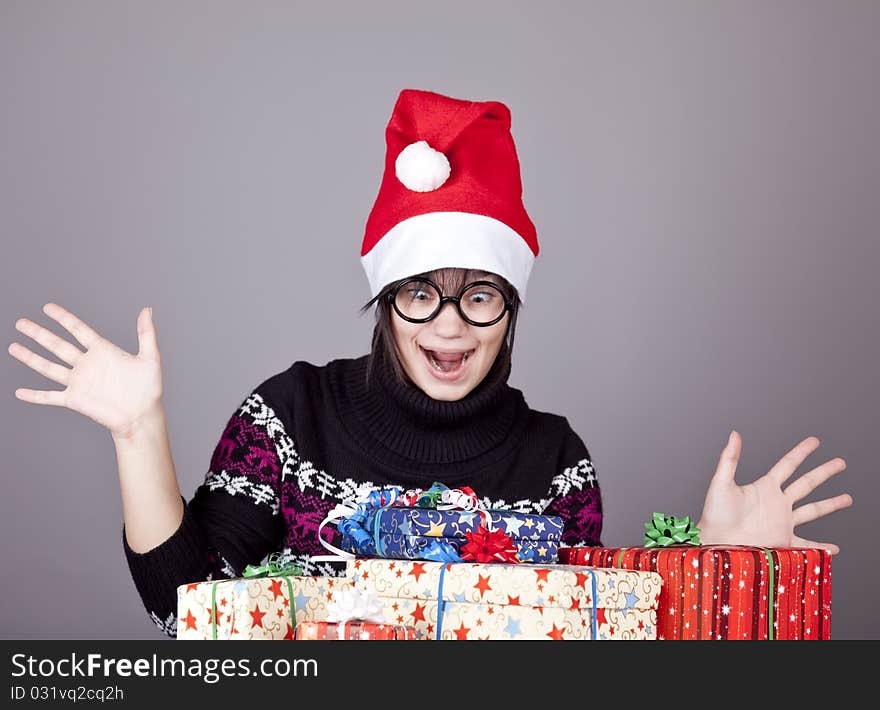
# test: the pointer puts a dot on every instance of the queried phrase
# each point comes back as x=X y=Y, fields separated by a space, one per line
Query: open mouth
x=446 y=362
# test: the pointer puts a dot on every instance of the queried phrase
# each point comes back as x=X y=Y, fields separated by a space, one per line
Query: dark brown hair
x=450 y=280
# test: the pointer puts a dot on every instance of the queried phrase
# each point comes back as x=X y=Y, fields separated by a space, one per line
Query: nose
x=448 y=322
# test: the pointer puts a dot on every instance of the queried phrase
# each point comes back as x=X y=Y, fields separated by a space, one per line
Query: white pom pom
x=421 y=168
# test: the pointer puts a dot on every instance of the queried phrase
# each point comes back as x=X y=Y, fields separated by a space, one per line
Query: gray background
x=703 y=176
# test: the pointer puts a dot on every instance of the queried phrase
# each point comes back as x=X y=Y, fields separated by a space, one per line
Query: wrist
x=708 y=535
x=143 y=430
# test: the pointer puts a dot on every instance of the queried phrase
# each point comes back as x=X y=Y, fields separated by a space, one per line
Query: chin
x=445 y=393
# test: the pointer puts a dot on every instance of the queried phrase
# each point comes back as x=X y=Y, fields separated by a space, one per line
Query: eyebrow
x=475 y=275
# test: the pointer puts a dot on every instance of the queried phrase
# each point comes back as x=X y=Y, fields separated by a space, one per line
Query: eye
x=478 y=297
x=418 y=294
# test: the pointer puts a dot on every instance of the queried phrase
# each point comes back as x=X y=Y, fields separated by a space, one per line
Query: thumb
x=729 y=459
x=148 y=345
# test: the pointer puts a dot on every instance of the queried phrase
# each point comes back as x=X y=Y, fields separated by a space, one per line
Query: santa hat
x=451 y=195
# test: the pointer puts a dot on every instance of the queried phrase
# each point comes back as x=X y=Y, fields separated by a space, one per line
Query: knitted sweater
x=311 y=437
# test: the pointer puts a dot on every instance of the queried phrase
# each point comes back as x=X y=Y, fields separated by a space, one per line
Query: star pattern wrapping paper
x=407 y=533
x=256 y=608
x=730 y=592
x=511 y=601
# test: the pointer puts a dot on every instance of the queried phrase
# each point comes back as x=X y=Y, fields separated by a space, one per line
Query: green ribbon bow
x=274 y=567
x=431 y=497
x=666 y=530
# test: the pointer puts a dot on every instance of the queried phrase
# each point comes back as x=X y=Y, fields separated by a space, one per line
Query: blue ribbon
x=440 y=551
x=377 y=540
x=441 y=602
x=593 y=624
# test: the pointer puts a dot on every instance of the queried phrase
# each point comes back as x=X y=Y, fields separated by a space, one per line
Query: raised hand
x=105 y=383
x=762 y=513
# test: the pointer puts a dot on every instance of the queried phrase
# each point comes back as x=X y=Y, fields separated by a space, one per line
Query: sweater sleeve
x=232 y=520
x=575 y=494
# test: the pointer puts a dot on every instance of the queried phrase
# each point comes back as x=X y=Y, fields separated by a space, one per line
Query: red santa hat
x=451 y=195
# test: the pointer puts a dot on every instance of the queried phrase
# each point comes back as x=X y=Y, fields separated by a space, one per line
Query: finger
x=147 y=342
x=727 y=462
x=801 y=542
x=786 y=466
x=77 y=328
x=811 y=480
x=55 y=345
x=52 y=370
x=52 y=397
x=820 y=508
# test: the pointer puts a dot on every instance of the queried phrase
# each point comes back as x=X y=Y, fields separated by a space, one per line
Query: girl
x=448 y=249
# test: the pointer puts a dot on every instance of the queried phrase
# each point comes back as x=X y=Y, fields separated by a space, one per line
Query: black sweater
x=312 y=436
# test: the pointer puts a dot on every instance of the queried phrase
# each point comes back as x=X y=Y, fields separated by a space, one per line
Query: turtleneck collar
x=398 y=417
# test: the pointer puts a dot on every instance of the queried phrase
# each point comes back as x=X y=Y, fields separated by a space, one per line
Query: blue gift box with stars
x=401 y=532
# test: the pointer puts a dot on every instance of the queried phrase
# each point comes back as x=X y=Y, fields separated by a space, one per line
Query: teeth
x=437 y=365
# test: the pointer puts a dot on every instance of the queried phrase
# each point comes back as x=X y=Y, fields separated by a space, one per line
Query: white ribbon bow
x=356 y=605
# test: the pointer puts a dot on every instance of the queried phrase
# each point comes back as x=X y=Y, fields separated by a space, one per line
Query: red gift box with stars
x=729 y=592
x=354 y=630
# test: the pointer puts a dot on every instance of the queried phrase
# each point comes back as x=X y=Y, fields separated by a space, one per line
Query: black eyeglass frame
x=392 y=297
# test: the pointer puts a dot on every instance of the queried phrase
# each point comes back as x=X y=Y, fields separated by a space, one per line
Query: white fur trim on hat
x=438 y=240
x=421 y=168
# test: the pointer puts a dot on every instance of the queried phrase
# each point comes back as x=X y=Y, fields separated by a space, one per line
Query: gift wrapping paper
x=354 y=630
x=491 y=601
x=729 y=592
x=403 y=532
x=254 y=608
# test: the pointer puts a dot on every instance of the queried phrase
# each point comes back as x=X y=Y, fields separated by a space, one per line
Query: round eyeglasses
x=480 y=303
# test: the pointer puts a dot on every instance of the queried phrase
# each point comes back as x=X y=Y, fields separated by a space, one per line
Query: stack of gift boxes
x=431 y=565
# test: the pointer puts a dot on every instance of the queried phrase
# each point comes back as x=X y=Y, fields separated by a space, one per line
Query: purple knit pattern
x=582 y=512
x=245 y=449
x=303 y=514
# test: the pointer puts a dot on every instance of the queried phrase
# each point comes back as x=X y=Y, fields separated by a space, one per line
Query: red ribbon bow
x=484 y=545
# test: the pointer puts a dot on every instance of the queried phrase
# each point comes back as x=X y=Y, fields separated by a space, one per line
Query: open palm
x=762 y=513
x=105 y=383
